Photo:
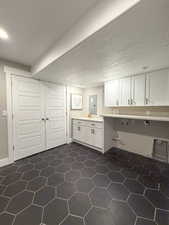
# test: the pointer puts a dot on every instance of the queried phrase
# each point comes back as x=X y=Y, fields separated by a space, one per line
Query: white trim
x=67 y=115
x=69 y=140
x=9 y=116
x=90 y=146
x=9 y=71
x=17 y=72
x=4 y=162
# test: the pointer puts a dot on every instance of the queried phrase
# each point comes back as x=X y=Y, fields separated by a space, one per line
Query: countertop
x=96 y=119
x=143 y=117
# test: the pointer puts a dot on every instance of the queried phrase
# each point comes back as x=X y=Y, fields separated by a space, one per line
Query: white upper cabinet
x=157 y=88
x=141 y=90
x=138 y=90
x=125 y=91
x=111 y=93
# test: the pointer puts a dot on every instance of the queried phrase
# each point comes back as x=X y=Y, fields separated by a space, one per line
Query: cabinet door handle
x=47 y=118
x=147 y=101
x=117 y=102
x=43 y=119
x=78 y=128
x=92 y=131
x=128 y=101
x=133 y=102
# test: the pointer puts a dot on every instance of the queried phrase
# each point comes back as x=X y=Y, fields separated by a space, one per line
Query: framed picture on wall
x=76 y=101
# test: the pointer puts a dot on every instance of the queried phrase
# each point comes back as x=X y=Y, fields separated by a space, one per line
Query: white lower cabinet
x=96 y=137
x=89 y=133
x=80 y=133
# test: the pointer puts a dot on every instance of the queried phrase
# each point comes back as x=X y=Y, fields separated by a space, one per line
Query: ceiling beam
x=96 y=18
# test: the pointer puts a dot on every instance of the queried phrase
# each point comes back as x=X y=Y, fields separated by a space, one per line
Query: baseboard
x=4 y=162
x=69 y=140
x=90 y=146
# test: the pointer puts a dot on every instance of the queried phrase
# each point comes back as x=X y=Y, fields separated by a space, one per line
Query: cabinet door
x=81 y=133
x=157 y=88
x=125 y=91
x=138 y=90
x=96 y=137
x=76 y=132
x=111 y=93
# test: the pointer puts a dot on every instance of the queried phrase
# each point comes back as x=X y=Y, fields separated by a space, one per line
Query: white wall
x=71 y=113
x=99 y=91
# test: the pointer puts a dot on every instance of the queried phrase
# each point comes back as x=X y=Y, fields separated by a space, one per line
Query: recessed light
x=3 y=34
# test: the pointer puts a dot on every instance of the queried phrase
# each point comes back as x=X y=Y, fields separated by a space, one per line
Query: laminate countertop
x=95 y=119
x=138 y=117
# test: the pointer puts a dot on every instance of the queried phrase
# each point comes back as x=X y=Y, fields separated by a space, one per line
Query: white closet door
x=28 y=126
x=55 y=115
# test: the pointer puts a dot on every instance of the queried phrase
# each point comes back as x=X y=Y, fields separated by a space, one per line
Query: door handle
x=117 y=102
x=43 y=119
x=47 y=118
x=92 y=131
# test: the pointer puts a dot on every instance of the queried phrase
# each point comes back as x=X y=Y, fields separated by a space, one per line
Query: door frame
x=9 y=72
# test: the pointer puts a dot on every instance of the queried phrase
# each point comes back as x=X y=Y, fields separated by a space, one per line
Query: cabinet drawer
x=95 y=125
x=91 y=124
x=79 y=122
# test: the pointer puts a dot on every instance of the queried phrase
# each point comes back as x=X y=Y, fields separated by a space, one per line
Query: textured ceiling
x=138 y=38
x=35 y=25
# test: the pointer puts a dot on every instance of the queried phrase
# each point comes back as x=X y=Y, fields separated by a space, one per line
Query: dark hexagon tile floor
x=6 y=219
x=55 y=212
x=72 y=220
x=20 y=202
x=31 y=215
x=141 y=206
x=101 y=180
x=162 y=217
x=85 y=185
x=100 y=197
x=134 y=186
x=66 y=190
x=142 y=221
x=75 y=185
x=43 y=196
x=98 y=216
x=122 y=213
x=79 y=204
x=118 y=191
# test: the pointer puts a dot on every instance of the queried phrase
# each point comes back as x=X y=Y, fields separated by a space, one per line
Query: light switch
x=4 y=113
